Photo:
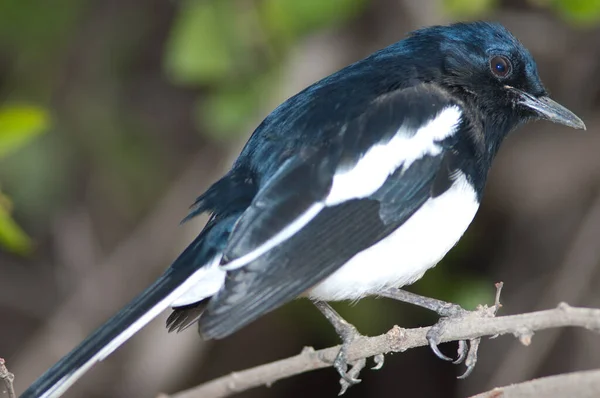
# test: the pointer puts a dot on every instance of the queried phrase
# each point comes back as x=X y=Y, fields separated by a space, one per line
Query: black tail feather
x=180 y=277
x=183 y=317
x=106 y=338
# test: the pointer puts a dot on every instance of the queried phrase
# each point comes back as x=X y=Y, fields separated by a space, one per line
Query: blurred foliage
x=577 y=11
x=236 y=49
x=286 y=20
x=469 y=8
x=18 y=125
x=12 y=236
x=580 y=12
x=32 y=34
x=203 y=45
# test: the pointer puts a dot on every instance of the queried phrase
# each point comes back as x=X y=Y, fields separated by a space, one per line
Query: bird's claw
x=471 y=357
x=341 y=365
x=379 y=359
x=348 y=334
x=434 y=337
x=350 y=377
x=467 y=350
x=463 y=351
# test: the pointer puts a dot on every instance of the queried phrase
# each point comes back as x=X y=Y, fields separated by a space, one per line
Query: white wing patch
x=403 y=256
x=369 y=174
x=210 y=280
x=283 y=235
x=189 y=283
x=371 y=171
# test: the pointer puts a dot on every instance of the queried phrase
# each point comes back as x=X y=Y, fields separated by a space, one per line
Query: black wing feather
x=303 y=180
x=332 y=238
x=305 y=177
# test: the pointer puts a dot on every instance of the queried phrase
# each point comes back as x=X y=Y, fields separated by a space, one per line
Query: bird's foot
x=349 y=377
x=467 y=349
x=348 y=334
x=448 y=312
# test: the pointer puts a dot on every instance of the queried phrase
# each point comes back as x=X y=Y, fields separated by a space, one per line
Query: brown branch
x=7 y=379
x=577 y=384
x=477 y=324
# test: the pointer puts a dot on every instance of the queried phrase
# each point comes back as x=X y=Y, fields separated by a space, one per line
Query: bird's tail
x=188 y=270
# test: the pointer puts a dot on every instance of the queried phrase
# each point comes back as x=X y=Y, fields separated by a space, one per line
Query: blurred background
x=116 y=114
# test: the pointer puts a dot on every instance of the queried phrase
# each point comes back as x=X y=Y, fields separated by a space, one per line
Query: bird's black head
x=484 y=64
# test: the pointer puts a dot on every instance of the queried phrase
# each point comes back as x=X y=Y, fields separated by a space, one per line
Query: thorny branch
x=7 y=379
x=477 y=324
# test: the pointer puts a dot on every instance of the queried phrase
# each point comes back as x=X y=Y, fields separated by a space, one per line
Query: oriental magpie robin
x=354 y=187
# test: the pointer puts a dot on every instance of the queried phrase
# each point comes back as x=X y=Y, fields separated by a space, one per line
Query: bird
x=353 y=187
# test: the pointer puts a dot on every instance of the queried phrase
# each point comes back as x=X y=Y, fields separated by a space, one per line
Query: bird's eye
x=500 y=66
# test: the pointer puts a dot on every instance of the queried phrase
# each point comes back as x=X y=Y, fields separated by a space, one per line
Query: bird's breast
x=403 y=256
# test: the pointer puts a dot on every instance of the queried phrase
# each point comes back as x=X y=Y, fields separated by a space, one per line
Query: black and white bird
x=354 y=187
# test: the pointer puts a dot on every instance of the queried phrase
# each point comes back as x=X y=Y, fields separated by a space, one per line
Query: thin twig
x=584 y=384
x=475 y=325
x=7 y=379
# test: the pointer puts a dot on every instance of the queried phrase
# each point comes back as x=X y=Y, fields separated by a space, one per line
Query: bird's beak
x=548 y=109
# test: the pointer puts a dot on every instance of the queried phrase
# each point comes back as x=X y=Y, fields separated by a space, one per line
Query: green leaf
x=468 y=8
x=578 y=11
x=288 y=19
x=12 y=236
x=225 y=112
x=18 y=125
x=199 y=49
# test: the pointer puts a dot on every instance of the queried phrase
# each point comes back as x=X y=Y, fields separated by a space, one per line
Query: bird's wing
x=289 y=199
x=319 y=211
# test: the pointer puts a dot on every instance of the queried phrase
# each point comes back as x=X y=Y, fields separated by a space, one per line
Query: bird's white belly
x=404 y=256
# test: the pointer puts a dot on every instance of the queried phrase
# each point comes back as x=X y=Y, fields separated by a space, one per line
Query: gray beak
x=550 y=110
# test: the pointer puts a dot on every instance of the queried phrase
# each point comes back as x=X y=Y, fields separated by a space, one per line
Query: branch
x=476 y=324
x=576 y=384
x=7 y=379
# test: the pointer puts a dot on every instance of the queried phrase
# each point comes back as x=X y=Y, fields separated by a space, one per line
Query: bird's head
x=487 y=66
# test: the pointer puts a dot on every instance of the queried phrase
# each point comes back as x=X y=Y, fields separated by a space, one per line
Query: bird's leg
x=447 y=311
x=348 y=334
x=440 y=307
